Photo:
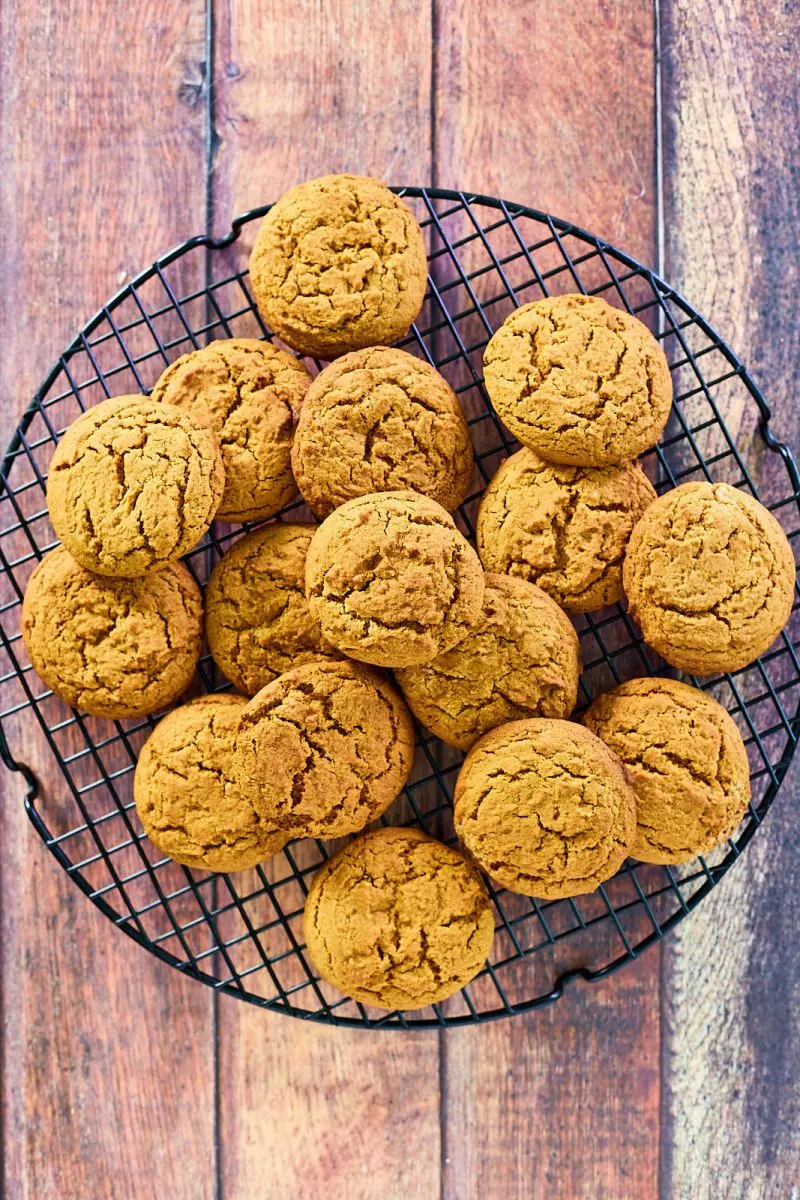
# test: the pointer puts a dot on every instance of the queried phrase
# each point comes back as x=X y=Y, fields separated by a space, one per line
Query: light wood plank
x=108 y=1054
x=312 y=1111
x=554 y=107
x=317 y=89
x=732 y=972
x=301 y=92
x=561 y=1102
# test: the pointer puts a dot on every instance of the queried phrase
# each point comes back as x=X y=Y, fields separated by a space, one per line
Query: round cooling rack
x=242 y=933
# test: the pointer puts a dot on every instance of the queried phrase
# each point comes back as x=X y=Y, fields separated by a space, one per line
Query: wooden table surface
x=669 y=128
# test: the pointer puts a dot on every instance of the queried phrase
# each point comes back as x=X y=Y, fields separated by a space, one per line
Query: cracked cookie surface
x=578 y=381
x=685 y=759
x=544 y=808
x=132 y=485
x=250 y=393
x=381 y=420
x=338 y=264
x=325 y=748
x=392 y=581
x=112 y=647
x=258 y=622
x=398 y=920
x=188 y=801
x=563 y=528
x=710 y=577
x=521 y=660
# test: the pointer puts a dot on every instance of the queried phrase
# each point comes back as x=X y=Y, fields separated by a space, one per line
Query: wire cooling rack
x=242 y=933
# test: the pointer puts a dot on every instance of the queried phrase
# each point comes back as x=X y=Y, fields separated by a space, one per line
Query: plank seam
x=662 y=1181
x=434 y=93
x=211 y=143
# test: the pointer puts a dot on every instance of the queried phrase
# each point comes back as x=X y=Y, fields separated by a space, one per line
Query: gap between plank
x=663 y=1116
x=211 y=142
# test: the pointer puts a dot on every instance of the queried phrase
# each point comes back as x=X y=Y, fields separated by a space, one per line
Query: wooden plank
x=345 y=86
x=313 y=1111
x=103 y=169
x=555 y=111
x=561 y=1102
x=552 y=107
x=732 y=972
x=344 y=89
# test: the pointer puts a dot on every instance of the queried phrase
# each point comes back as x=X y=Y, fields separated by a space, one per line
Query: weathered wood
x=345 y=87
x=555 y=108
x=732 y=972
x=552 y=106
x=562 y=1102
x=108 y=1056
x=311 y=1111
x=108 y=1060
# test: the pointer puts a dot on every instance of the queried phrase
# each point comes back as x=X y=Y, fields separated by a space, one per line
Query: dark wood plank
x=732 y=972
x=108 y=1054
x=556 y=110
x=314 y=1111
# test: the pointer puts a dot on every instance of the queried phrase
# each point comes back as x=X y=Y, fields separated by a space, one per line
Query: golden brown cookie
x=392 y=581
x=398 y=920
x=578 y=381
x=563 y=528
x=685 y=759
x=545 y=808
x=188 y=801
x=380 y=420
x=338 y=264
x=112 y=647
x=521 y=660
x=325 y=748
x=258 y=622
x=250 y=393
x=710 y=577
x=132 y=485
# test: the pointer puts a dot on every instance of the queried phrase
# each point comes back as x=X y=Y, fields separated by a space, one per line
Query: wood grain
x=558 y=114
x=346 y=86
x=552 y=106
x=562 y=1102
x=732 y=972
x=343 y=87
x=103 y=168
x=314 y=1111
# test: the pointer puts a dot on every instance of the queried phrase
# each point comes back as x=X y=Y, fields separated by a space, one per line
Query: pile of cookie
x=307 y=621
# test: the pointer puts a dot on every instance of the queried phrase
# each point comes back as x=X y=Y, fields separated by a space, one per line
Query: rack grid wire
x=242 y=934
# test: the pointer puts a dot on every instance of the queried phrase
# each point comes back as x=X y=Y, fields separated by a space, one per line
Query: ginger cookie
x=133 y=485
x=112 y=647
x=258 y=622
x=188 y=801
x=380 y=420
x=324 y=749
x=545 y=808
x=563 y=528
x=250 y=393
x=686 y=761
x=398 y=920
x=521 y=660
x=710 y=577
x=392 y=581
x=578 y=381
x=338 y=264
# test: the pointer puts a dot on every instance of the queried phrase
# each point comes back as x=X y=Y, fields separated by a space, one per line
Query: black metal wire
x=242 y=934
